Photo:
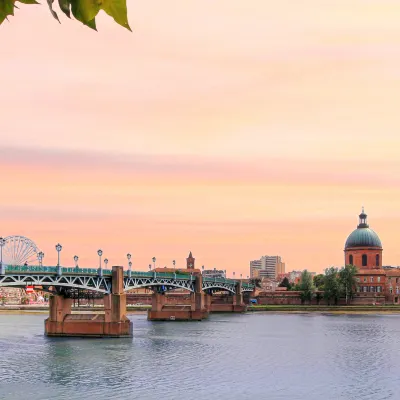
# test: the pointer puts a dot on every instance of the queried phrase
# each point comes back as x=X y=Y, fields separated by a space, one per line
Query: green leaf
x=116 y=9
x=53 y=13
x=65 y=7
x=85 y=11
x=6 y=9
x=28 y=1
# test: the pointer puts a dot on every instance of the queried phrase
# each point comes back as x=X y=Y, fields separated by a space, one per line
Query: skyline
x=262 y=131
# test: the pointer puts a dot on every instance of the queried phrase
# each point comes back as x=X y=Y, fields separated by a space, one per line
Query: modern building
x=267 y=267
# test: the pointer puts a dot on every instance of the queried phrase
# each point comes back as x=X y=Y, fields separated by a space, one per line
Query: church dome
x=363 y=236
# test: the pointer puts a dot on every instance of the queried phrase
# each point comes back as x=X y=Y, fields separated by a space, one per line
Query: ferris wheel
x=19 y=250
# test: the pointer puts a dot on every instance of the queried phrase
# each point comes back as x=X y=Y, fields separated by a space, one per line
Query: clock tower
x=190 y=261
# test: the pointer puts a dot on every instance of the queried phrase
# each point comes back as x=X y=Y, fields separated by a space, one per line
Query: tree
x=319 y=281
x=306 y=286
x=256 y=282
x=84 y=11
x=331 y=285
x=285 y=283
x=348 y=281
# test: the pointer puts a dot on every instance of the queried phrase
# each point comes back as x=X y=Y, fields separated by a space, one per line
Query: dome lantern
x=362 y=220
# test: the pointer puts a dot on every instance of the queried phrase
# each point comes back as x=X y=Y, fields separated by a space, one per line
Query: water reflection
x=228 y=357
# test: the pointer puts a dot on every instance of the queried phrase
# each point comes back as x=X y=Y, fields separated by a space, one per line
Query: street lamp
x=40 y=257
x=76 y=258
x=154 y=262
x=58 y=248
x=100 y=253
x=173 y=263
x=2 y=243
x=106 y=262
x=129 y=256
x=130 y=267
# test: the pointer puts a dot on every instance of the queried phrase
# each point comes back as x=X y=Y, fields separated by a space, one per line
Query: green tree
x=256 y=282
x=285 y=283
x=348 y=281
x=84 y=11
x=319 y=281
x=306 y=286
x=331 y=285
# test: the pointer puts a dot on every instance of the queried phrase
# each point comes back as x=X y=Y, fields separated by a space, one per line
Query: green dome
x=363 y=237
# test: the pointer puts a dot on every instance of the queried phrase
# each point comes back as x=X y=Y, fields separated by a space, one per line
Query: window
x=364 y=260
x=371 y=279
x=351 y=259
x=364 y=288
x=397 y=290
x=365 y=279
x=357 y=279
x=391 y=290
x=378 y=278
x=397 y=280
x=377 y=260
x=372 y=288
x=378 y=289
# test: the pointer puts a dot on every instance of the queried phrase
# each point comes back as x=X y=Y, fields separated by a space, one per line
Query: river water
x=264 y=356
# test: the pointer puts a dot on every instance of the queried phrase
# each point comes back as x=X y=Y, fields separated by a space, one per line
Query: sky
x=232 y=129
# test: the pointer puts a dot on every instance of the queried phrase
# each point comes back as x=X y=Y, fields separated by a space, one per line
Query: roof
x=363 y=237
x=371 y=272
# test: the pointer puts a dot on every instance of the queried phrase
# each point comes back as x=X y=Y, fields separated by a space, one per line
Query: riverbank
x=44 y=309
x=290 y=309
x=388 y=309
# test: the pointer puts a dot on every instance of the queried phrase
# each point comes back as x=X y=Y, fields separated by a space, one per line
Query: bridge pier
x=195 y=311
x=113 y=323
x=235 y=305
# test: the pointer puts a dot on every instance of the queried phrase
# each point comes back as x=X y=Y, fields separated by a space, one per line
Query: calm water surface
x=265 y=356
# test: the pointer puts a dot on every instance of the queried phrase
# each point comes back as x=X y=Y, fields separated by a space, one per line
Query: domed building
x=363 y=247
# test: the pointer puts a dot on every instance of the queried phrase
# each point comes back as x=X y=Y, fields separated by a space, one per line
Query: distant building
x=213 y=273
x=267 y=267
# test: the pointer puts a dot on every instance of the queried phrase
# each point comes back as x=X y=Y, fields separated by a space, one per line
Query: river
x=251 y=356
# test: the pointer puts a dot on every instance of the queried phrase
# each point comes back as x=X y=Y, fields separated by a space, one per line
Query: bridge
x=113 y=285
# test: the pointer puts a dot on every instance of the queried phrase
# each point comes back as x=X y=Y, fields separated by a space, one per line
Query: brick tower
x=190 y=261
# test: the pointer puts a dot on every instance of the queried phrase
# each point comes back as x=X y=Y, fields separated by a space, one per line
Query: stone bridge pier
x=233 y=303
x=113 y=323
x=195 y=311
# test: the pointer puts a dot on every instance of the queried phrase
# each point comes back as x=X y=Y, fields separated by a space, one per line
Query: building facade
x=267 y=267
x=363 y=249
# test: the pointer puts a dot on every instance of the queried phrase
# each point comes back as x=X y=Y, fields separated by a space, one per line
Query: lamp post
x=40 y=257
x=58 y=248
x=76 y=258
x=100 y=253
x=106 y=262
x=173 y=263
x=2 y=268
x=154 y=262
x=129 y=256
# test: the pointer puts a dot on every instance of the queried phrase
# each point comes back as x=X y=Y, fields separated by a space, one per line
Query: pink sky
x=227 y=128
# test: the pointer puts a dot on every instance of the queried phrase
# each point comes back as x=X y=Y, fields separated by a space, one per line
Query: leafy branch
x=84 y=11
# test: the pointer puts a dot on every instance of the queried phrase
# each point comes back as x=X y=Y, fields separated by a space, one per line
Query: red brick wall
x=357 y=253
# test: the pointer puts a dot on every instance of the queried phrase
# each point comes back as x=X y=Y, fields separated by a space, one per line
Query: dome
x=363 y=236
